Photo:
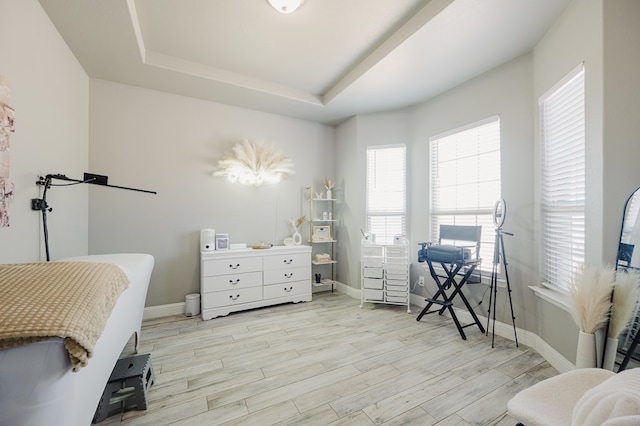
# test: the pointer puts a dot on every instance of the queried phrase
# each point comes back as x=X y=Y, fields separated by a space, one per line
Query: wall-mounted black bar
x=96 y=180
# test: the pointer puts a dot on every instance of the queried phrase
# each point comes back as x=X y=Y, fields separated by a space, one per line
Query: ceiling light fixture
x=286 y=6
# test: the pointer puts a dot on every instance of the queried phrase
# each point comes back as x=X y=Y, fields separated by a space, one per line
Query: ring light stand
x=41 y=203
x=499 y=215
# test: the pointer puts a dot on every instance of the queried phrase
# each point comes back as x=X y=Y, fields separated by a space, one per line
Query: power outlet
x=421 y=281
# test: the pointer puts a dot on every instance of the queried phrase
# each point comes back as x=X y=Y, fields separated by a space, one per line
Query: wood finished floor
x=329 y=362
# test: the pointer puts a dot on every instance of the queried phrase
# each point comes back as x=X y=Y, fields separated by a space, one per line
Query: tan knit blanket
x=72 y=300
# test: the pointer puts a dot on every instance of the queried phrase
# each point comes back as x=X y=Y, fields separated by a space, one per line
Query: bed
x=37 y=383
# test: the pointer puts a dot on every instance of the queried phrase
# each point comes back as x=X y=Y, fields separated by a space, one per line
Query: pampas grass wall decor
x=254 y=163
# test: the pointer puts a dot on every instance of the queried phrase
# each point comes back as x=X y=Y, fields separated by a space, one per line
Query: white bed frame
x=37 y=386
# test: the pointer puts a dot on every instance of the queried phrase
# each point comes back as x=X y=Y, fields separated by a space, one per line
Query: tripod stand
x=499 y=215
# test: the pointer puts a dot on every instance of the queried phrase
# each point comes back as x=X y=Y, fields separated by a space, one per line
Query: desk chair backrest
x=463 y=236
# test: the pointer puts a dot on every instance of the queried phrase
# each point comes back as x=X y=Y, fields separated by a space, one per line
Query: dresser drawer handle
x=236 y=266
x=234 y=282
x=234 y=298
x=288 y=275
x=288 y=261
x=288 y=290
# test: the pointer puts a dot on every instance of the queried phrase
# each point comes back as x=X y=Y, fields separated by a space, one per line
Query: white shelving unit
x=385 y=274
x=322 y=239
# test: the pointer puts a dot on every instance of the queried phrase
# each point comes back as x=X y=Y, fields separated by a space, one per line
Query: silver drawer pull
x=288 y=290
x=288 y=275
x=288 y=261
x=234 y=298
x=234 y=282
x=236 y=266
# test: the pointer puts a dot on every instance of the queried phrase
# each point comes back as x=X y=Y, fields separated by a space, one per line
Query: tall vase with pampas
x=591 y=303
x=625 y=298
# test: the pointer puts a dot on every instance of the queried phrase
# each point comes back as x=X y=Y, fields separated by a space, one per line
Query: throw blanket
x=72 y=300
x=616 y=401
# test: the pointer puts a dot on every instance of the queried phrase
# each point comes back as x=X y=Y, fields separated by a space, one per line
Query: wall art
x=7 y=126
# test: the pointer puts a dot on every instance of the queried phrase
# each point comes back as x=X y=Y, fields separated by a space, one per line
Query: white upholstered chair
x=584 y=397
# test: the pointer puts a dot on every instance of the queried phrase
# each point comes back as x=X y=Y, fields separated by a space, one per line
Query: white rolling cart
x=385 y=274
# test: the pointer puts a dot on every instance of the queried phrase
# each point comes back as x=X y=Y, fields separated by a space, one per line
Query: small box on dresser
x=236 y=280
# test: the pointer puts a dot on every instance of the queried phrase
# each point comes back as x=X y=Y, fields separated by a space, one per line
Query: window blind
x=386 y=192
x=562 y=114
x=465 y=180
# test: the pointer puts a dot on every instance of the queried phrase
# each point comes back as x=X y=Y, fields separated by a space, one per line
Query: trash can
x=192 y=304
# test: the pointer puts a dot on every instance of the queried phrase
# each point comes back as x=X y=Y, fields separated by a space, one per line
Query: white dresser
x=235 y=280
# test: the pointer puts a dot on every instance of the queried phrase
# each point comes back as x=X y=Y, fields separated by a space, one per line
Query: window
x=562 y=196
x=465 y=180
x=386 y=192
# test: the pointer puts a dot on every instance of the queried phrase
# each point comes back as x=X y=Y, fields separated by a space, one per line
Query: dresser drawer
x=286 y=275
x=286 y=289
x=229 y=282
x=281 y=261
x=231 y=266
x=231 y=297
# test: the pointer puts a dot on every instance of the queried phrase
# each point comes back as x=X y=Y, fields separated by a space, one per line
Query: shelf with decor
x=322 y=238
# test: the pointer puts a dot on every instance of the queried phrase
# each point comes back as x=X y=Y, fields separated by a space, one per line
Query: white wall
x=350 y=207
x=504 y=92
x=576 y=37
x=621 y=110
x=354 y=136
x=171 y=144
x=50 y=94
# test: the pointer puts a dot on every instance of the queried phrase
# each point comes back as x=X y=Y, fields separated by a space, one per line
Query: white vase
x=610 y=354
x=586 y=350
x=329 y=194
x=297 y=238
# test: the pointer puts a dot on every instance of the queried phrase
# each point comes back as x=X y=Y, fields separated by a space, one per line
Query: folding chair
x=464 y=252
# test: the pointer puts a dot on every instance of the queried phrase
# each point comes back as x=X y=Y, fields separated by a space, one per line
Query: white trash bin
x=192 y=304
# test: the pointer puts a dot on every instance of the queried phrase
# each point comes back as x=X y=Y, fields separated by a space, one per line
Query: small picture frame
x=321 y=233
x=222 y=241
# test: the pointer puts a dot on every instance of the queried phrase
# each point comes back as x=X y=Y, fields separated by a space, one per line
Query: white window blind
x=386 y=192
x=562 y=117
x=465 y=180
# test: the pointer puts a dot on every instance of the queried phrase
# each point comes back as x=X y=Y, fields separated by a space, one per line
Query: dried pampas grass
x=254 y=164
x=591 y=297
x=625 y=297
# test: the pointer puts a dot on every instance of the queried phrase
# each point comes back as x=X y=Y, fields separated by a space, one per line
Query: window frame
x=370 y=212
x=556 y=271
x=481 y=213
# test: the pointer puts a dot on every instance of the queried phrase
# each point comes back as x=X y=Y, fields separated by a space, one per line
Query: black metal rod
x=63 y=177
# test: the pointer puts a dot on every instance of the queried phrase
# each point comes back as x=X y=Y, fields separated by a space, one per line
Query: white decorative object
x=296 y=224
x=586 y=350
x=254 y=164
x=297 y=238
x=610 y=354
x=590 y=307
x=328 y=184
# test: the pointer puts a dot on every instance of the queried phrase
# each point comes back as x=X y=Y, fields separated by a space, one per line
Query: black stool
x=452 y=259
x=128 y=386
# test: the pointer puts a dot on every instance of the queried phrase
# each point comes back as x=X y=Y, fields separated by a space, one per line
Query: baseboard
x=151 y=312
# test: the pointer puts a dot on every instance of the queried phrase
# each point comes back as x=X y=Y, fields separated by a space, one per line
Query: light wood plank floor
x=329 y=362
